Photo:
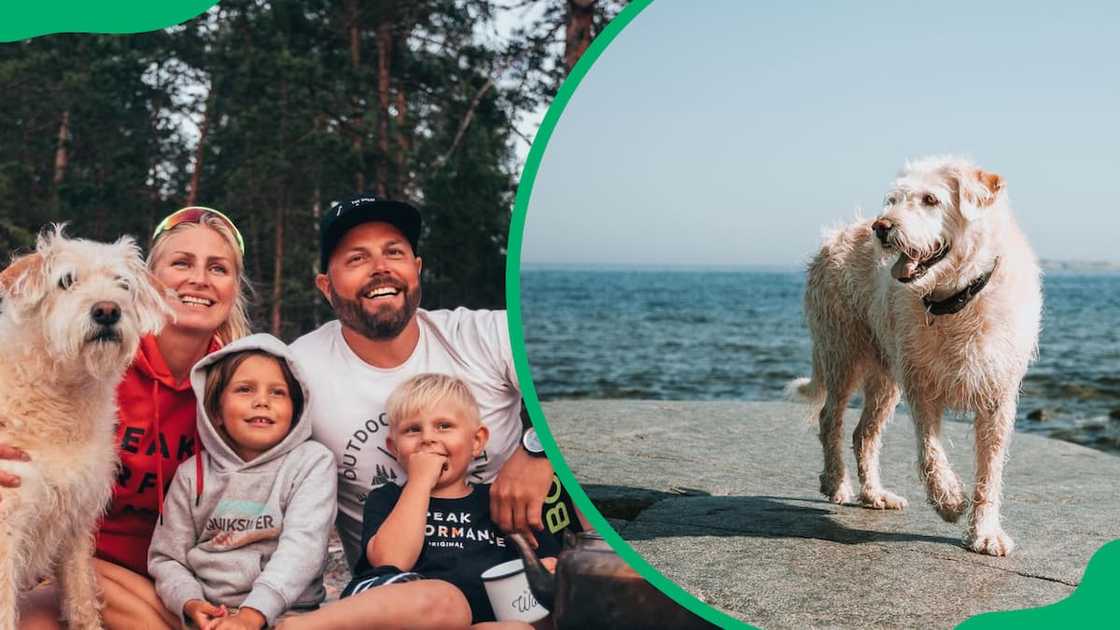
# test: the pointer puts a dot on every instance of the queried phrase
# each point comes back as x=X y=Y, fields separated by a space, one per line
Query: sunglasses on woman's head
x=196 y=214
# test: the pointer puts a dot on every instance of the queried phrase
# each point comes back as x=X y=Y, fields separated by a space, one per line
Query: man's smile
x=381 y=292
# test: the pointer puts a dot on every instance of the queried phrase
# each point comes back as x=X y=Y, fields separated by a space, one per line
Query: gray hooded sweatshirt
x=252 y=534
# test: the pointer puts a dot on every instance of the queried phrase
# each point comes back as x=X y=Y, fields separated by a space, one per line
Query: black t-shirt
x=460 y=542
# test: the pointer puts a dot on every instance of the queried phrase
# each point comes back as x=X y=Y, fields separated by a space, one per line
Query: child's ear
x=392 y=446
x=481 y=435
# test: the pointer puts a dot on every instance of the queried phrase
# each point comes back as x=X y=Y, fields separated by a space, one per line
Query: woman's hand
x=8 y=480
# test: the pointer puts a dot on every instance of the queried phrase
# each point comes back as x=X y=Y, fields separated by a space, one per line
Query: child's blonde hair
x=420 y=393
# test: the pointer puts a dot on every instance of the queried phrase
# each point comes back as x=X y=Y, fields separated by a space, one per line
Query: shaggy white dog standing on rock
x=939 y=296
x=71 y=316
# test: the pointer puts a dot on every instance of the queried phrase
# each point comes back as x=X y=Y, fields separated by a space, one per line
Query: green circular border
x=517 y=336
x=1086 y=605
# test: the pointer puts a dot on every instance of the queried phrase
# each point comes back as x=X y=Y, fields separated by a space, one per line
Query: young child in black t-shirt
x=427 y=543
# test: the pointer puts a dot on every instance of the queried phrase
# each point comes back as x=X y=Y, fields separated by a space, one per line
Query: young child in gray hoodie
x=245 y=523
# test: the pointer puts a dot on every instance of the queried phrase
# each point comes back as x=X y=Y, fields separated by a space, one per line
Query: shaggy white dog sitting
x=938 y=296
x=71 y=316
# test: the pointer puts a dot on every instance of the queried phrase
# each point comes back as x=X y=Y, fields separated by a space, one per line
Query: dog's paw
x=948 y=499
x=994 y=542
x=837 y=491
x=880 y=499
x=951 y=509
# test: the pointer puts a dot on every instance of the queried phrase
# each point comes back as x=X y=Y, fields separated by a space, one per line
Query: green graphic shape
x=1087 y=607
x=513 y=304
x=23 y=19
x=1093 y=604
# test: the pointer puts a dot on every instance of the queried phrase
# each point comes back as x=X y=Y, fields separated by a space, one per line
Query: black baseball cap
x=365 y=208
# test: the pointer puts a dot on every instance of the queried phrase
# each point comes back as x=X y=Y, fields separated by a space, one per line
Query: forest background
x=270 y=109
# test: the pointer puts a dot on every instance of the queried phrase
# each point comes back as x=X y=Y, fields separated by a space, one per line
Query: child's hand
x=203 y=613
x=425 y=467
x=245 y=619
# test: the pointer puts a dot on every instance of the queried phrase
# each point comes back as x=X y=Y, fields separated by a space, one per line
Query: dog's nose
x=106 y=313
x=882 y=229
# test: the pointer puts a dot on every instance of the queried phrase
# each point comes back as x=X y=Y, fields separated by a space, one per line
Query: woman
x=198 y=253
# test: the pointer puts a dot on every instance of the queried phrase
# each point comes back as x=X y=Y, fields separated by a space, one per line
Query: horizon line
x=1045 y=264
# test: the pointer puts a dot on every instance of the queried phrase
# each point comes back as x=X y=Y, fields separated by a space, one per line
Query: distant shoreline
x=642 y=267
x=1048 y=266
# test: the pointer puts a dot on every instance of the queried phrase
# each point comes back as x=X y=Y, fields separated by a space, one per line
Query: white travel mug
x=510 y=597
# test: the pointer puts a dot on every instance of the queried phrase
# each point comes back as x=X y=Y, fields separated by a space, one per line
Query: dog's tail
x=809 y=392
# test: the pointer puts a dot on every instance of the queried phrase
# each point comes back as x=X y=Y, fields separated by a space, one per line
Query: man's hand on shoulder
x=517 y=494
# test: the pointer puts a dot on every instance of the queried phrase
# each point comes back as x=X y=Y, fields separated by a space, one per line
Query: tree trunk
x=199 y=152
x=357 y=143
x=384 y=52
x=62 y=152
x=100 y=217
x=276 y=319
x=577 y=34
x=316 y=213
x=159 y=102
x=355 y=33
x=404 y=179
x=61 y=156
x=466 y=122
x=278 y=271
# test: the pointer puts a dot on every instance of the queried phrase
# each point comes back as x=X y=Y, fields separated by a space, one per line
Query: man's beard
x=382 y=325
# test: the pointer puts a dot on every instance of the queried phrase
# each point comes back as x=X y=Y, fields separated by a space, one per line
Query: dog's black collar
x=954 y=303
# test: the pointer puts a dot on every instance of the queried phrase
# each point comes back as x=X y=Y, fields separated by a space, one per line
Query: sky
x=726 y=132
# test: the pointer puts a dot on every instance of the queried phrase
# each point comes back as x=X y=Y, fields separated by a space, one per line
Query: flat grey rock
x=721 y=497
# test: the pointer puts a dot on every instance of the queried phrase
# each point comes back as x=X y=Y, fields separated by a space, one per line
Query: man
x=371 y=277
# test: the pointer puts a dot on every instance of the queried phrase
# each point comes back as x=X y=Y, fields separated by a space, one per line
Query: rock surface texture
x=721 y=497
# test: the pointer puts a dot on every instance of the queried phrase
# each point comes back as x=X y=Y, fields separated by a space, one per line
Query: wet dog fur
x=71 y=317
x=871 y=303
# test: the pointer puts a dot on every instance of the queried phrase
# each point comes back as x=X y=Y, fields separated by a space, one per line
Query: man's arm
x=518 y=491
x=517 y=494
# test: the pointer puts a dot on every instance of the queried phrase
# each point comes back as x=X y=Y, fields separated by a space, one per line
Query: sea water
x=706 y=334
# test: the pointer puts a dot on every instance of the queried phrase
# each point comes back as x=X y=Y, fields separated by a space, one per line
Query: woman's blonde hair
x=423 y=391
x=238 y=324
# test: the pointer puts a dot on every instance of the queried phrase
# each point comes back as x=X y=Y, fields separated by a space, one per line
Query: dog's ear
x=978 y=190
x=23 y=276
x=159 y=285
x=168 y=296
x=151 y=295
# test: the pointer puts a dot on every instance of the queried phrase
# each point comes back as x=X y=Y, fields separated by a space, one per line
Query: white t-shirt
x=347 y=400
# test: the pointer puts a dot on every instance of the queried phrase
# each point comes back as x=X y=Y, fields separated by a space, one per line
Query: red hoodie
x=156 y=432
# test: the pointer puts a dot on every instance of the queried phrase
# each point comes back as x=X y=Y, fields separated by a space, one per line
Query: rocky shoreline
x=721 y=497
